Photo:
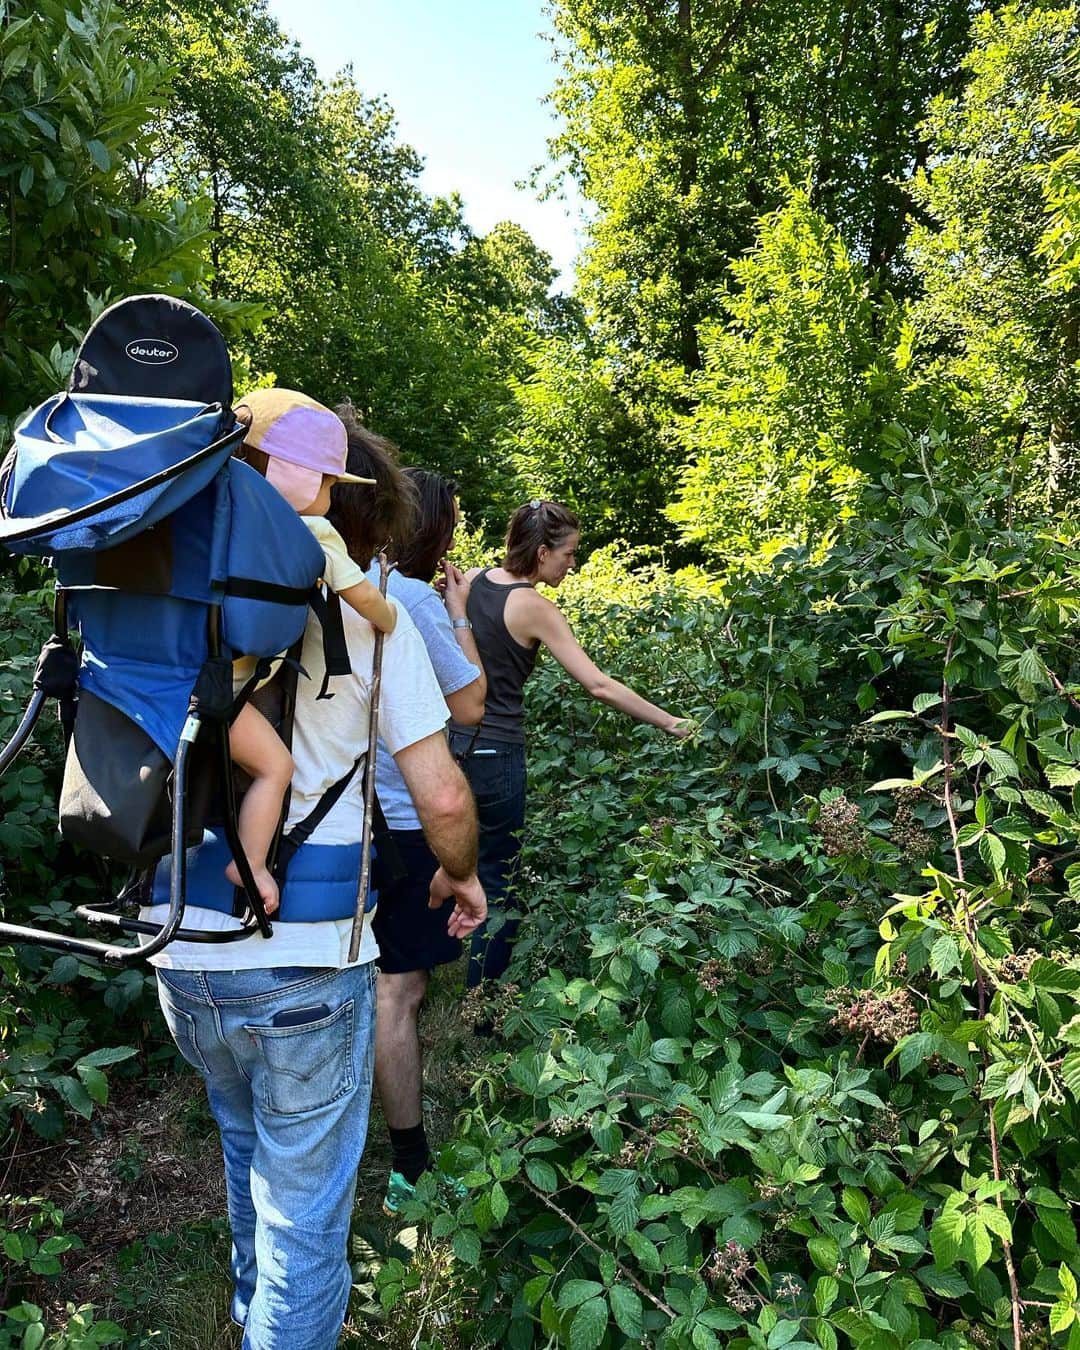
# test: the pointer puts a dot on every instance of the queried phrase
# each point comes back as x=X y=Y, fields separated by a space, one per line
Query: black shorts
x=410 y=935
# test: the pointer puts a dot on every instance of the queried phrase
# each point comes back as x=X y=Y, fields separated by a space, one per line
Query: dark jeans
x=496 y=774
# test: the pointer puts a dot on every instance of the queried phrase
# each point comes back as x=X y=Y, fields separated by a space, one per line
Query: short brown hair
x=367 y=518
x=537 y=524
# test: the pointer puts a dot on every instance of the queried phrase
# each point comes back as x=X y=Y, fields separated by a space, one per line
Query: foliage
x=367 y=288
x=788 y=1056
x=581 y=436
x=801 y=378
x=999 y=315
x=76 y=100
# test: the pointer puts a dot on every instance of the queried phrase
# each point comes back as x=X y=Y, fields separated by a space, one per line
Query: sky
x=466 y=81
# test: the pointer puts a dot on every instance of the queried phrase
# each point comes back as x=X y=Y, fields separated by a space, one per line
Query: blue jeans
x=496 y=774
x=287 y=1055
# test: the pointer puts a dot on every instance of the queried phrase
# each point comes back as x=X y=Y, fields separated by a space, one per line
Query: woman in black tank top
x=510 y=622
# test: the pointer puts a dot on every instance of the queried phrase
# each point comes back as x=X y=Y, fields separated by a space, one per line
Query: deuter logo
x=152 y=351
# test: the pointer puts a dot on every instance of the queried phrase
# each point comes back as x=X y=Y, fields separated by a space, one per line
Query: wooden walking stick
x=369 y=776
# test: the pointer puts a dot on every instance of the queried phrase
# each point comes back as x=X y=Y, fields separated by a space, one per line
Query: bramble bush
x=791 y=1052
x=62 y=1020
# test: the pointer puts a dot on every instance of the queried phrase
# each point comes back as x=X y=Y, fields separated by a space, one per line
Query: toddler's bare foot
x=264 y=884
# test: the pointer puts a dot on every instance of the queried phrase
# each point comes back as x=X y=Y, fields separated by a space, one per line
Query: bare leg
x=399 y=1077
x=260 y=752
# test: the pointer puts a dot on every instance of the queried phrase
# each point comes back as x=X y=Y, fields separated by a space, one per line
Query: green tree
x=1000 y=310
x=802 y=374
x=368 y=288
x=77 y=226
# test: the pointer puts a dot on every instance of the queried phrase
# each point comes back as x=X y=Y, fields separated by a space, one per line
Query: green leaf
x=978 y=1246
x=626 y=1309
x=75 y=1095
x=944 y=1283
x=500 y=1205
x=992 y=852
x=69 y=135
x=65 y=969
x=46 y=128
x=824 y=1252
x=589 y=1326
x=95 y=1082
x=110 y=1054
x=623 y=1212
x=825 y=1293
x=541 y=1174
x=946 y=1236
x=466 y=1245
x=1061 y=775
x=100 y=155
x=575 y=1292
x=856 y=1206
x=764 y=1120
x=1070 y=1072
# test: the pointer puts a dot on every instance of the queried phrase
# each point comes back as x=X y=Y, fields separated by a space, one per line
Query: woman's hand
x=682 y=727
x=454 y=587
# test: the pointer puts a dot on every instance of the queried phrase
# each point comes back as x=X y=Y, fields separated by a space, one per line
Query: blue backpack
x=159 y=542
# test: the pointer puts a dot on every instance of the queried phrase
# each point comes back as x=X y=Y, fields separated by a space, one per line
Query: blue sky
x=466 y=80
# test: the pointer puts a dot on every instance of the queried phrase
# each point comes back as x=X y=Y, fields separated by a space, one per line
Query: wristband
x=460 y=623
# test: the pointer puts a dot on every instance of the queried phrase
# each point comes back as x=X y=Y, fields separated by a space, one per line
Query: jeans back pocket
x=307 y=1066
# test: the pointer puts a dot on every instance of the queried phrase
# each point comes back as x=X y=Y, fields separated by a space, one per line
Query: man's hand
x=470 y=902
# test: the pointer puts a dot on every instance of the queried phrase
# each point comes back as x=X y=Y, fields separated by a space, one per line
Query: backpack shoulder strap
x=327 y=609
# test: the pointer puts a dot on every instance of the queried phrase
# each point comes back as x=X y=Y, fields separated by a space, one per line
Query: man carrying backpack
x=282 y=1029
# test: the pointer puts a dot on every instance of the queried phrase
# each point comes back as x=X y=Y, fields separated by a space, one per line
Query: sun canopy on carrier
x=90 y=470
x=172 y=559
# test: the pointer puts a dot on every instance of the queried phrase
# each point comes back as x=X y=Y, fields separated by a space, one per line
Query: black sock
x=410 y=1148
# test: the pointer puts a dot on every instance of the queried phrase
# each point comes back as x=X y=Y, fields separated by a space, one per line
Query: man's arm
x=447 y=813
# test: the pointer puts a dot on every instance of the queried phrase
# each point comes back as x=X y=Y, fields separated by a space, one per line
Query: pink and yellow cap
x=288 y=425
x=301 y=439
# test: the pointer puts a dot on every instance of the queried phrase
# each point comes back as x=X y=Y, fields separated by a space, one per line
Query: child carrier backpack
x=172 y=559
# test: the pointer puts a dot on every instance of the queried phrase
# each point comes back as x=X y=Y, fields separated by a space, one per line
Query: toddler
x=300 y=447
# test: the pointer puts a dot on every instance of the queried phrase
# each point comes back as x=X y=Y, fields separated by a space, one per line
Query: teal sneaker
x=398 y=1193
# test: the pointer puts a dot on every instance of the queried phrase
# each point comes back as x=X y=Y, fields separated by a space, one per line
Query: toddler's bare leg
x=259 y=751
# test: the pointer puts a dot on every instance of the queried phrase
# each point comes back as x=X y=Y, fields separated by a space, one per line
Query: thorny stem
x=971 y=930
x=1062 y=690
x=581 y=1233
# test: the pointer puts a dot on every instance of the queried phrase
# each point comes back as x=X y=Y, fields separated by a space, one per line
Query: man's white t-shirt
x=328 y=736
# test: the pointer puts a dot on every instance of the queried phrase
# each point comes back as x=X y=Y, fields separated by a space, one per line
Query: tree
x=802 y=375
x=1000 y=310
x=368 y=288
x=77 y=229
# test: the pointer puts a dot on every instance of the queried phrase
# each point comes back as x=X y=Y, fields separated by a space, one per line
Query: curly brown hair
x=371 y=518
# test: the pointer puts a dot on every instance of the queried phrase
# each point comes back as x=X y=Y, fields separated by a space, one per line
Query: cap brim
x=352 y=478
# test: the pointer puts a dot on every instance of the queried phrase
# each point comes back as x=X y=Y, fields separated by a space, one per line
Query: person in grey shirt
x=412 y=937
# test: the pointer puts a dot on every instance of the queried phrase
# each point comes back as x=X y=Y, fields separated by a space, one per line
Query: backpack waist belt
x=321 y=884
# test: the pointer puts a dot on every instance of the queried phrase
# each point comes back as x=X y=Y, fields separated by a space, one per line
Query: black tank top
x=507 y=664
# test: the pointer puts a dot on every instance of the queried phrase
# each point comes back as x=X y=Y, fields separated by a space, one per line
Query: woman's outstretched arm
x=548 y=624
